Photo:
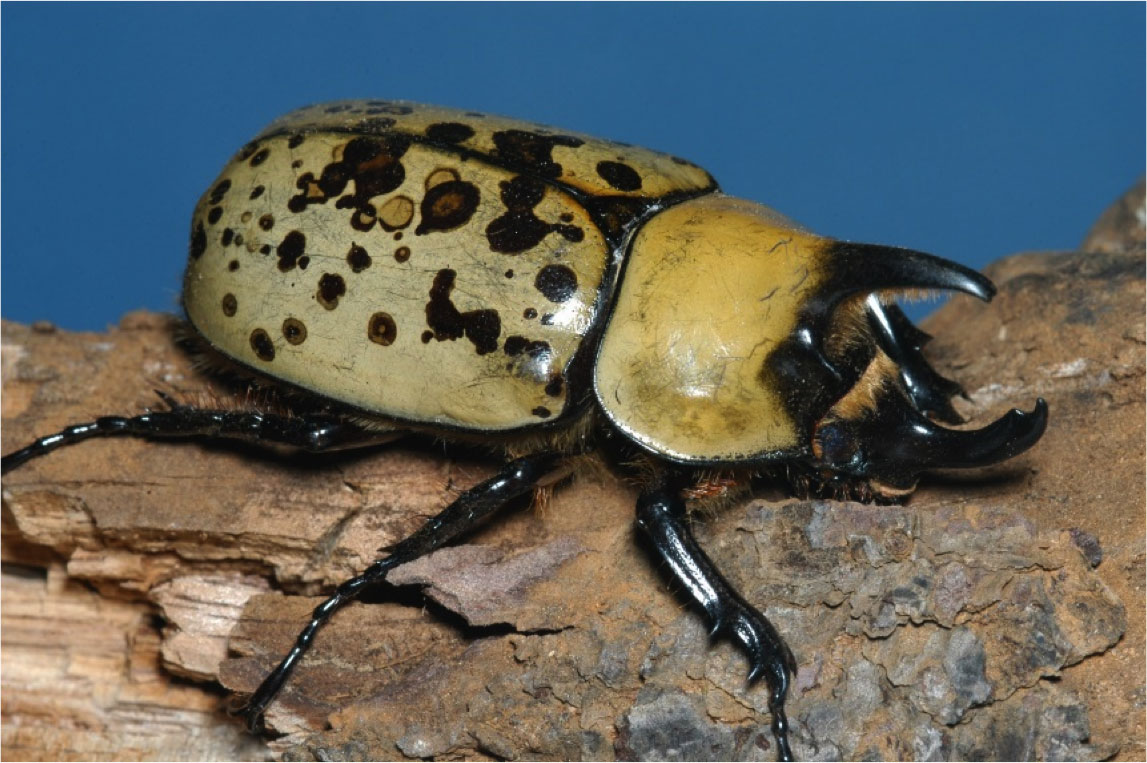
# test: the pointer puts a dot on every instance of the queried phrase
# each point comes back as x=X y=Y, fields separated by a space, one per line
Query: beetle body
x=462 y=272
x=413 y=268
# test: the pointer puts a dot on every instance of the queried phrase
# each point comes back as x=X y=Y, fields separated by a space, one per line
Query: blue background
x=970 y=131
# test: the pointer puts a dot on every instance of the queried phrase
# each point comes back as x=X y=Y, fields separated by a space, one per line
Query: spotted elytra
x=398 y=268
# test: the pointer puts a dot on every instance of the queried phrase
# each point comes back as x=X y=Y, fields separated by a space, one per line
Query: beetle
x=399 y=268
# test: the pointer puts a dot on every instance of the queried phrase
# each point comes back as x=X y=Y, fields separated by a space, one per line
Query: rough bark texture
x=999 y=614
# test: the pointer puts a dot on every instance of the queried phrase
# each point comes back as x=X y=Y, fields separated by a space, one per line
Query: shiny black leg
x=308 y=431
x=516 y=478
x=661 y=515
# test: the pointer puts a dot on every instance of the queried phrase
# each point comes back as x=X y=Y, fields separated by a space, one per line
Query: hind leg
x=311 y=431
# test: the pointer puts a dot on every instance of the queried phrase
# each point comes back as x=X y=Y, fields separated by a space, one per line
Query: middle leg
x=516 y=478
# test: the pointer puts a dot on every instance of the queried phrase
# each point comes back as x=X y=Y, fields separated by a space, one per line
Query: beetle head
x=883 y=429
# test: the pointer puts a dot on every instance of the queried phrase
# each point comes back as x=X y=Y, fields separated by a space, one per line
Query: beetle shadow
x=968 y=482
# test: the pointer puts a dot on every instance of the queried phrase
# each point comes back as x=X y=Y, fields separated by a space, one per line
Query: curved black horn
x=928 y=446
x=864 y=268
x=896 y=443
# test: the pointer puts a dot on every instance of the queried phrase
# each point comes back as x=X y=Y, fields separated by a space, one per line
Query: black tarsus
x=661 y=516
x=515 y=479
x=312 y=431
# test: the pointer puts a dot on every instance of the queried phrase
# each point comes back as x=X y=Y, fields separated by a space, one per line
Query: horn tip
x=1027 y=428
x=980 y=286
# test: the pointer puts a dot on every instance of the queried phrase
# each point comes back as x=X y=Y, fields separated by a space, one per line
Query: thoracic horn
x=865 y=268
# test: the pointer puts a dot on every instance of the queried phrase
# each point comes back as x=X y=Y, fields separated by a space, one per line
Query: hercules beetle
x=404 y=268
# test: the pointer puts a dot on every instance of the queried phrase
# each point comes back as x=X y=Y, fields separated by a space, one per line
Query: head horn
x=897 y=443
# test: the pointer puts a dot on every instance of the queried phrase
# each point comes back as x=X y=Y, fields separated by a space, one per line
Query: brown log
x=999 y=614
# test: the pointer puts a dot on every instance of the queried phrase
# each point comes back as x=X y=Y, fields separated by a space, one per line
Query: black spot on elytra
x=290 y=250
x=381 y=329
x=619 y=176
x=247 y=150
x=230 y=304
x=364 y=219
x=373 y=163
x=262 y=345
x=554 y=386
x=238 y=239
x=481 y=327
x=294 y=331
x=357 y=258
x=219 y=191
x=509 y=273
x=402 y=254
x=331 y=287
x=532 y=152
x=616 y=213
x=265 y=249
x=233 y=265
x=198 y=241
x=296 y=140
x=214 y=215
x=375 y=125
x=541 y=412
x=519 y=228
x=427 y=336
x=257 y=191
x=518 y=345
x=260 y=157
x=267 y=221
x=529 y=313
x=556 y=282
x=449 y=132
x=227 y=236
x=447 y=206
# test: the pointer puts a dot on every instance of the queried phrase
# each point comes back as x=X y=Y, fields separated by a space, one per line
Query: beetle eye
x=835 y=444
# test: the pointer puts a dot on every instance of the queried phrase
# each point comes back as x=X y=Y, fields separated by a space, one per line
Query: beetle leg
x=516 y=478
x=308 y=431
x=661 y=515
x=902 y=342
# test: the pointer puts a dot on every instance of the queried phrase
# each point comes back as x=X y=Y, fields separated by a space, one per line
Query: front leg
x=661 y=515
